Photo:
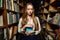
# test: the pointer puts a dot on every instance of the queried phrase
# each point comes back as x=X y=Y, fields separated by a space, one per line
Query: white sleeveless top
x=29 y=22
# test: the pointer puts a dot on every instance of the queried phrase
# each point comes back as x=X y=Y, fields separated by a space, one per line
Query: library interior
x=45 y=15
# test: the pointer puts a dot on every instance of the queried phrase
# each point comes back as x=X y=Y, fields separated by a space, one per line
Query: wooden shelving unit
x=4 y=11
x=50 y=8
x=10 y=11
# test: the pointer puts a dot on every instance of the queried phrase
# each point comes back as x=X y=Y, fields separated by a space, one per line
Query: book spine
x=1 y=20
x=14 y=18
x=10 y=32
x=12 y=3
x=0 y=3
x=17 y=17
x=7 y=4
x=8 y=18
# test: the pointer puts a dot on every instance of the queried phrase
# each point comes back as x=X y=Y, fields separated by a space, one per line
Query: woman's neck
x=29 y=17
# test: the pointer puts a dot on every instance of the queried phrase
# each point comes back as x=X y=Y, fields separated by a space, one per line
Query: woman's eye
x=29 y=9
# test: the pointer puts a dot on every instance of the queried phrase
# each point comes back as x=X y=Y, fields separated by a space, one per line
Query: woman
x=29 y=24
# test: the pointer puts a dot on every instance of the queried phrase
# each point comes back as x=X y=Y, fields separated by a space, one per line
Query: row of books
x=11 y=5
x=12 y=18
x=12 y=32
x=1 y=3
x=56 y=19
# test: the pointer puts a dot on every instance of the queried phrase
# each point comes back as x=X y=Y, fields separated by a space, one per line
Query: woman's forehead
x=29 y=6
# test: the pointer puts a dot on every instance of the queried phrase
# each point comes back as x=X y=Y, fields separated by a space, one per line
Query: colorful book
x=28 y=29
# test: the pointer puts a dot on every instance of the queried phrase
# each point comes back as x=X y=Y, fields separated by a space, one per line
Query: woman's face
x=29 y=9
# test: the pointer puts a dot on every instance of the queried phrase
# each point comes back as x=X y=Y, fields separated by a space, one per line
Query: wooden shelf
x=10 y=11
x=13 y=24
x=1 y=27
x=54 y=24
x=51 y=23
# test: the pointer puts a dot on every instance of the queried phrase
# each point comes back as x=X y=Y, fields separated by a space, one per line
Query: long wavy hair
x=25 y=20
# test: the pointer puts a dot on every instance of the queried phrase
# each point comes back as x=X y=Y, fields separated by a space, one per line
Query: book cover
x=28 y=29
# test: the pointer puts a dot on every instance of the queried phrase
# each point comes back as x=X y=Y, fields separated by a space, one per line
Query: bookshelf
x=9 y=15
x=48 y=11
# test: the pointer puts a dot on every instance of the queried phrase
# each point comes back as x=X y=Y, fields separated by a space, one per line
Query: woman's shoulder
x=20 y=19
x=36 y=17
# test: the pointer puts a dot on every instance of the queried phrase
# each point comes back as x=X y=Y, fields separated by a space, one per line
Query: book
x=1 y=3
x=15 y=30
x=17 y=17
x=16 y=7
x=10 y=32
x=12 y=5
x=58 y=22
x=7 y=4
x=1 y=20
x=9 y=18
x=28 y=29
x=5 y=35
x=14 y=18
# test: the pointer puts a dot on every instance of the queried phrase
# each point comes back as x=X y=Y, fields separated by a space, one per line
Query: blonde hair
x=24 y=17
